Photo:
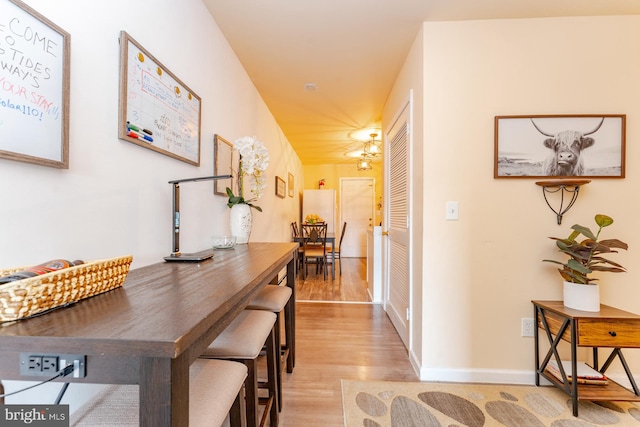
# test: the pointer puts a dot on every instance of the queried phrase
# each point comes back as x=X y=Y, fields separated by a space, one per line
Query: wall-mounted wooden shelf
x=570 y=187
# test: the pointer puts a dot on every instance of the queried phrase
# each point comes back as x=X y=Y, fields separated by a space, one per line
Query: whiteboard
x=34 y=87
x=157 y=110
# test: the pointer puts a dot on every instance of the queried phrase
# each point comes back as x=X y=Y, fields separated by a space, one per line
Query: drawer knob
x=612 y=333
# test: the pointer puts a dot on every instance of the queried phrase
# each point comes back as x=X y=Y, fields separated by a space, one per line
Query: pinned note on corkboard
x=157 y=110
x=34 y=87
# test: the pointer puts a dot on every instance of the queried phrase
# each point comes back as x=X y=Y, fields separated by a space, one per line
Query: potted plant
x=254 y=159
x=585 y=257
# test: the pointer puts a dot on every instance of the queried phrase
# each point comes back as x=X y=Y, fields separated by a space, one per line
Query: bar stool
x=277 y=299
x=215 y=392
x=242 y=341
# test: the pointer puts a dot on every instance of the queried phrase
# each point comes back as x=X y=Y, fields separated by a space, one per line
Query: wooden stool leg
x=272 y=377
x=251 y=392
x=237 y=412
x=288 y=336
x=278 y=346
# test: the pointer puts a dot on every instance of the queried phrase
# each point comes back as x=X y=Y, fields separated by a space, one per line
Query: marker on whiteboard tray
x=138 y=128
x=139 y=135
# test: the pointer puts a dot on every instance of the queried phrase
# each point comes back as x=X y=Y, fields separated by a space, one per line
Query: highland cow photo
x=588 y=146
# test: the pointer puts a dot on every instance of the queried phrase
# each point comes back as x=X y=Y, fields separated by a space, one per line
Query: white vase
x=241 y=222
x=581 y=297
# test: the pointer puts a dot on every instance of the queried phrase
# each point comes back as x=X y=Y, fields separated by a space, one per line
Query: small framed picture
x=222 y=165
x=290 y=187
x=281 y=187
x=561 y=146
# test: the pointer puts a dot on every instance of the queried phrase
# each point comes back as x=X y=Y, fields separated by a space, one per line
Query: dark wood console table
x=149 y=331
x=610 y=327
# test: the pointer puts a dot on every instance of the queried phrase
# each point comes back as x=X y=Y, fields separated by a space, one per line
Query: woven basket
x=33 y=295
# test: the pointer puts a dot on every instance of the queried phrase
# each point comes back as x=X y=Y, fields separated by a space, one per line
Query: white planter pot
x=241 y=218
x=581 y=297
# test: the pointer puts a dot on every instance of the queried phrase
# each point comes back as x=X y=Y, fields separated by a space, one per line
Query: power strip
x=46 y=365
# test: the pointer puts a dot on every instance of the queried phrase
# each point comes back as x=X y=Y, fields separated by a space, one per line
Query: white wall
x=114 y=199
x=480 y=273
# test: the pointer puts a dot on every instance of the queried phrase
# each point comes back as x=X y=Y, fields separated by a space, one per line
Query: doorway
x=357 y=201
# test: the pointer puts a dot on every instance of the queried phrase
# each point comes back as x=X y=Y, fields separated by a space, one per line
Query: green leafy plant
x=235 y=200
x=585 y=256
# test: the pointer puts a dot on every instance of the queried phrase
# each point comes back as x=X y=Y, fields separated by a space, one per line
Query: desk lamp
x=175 y=254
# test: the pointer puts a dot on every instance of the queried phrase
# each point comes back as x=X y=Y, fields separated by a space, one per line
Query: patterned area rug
x=424 y=404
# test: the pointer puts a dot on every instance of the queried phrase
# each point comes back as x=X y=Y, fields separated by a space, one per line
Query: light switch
x=452 y=211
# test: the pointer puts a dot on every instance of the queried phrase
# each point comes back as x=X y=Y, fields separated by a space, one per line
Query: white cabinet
x=323 y=203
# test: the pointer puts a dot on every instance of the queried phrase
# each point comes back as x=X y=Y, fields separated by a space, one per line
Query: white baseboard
x=498 y=376
x=494 y=376
x=415 y=363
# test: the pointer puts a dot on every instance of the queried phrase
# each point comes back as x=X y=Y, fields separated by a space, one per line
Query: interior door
x=397 y=246
x=357 y=209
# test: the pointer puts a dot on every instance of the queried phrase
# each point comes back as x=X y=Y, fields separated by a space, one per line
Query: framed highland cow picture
x=560 y=146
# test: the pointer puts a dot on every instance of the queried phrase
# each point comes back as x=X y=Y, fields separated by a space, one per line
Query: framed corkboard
x=34 y=71
x=157 y=110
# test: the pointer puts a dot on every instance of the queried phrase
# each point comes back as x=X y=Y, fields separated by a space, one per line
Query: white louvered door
x=397 y=278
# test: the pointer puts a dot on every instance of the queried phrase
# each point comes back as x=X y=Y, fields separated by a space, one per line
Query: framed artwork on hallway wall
x=223 y=165
x=290 y=186
x=560 y=146
x=280 y=187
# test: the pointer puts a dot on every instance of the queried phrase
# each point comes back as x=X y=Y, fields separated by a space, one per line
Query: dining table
x=150 y=330
x=331 y=238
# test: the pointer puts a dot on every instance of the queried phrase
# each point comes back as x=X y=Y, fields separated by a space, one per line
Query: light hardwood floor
x=350 y=286
x=336 y=341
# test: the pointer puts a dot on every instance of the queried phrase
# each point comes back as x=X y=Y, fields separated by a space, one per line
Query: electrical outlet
x=50 y=364
x=527 y=327
x=34 y=363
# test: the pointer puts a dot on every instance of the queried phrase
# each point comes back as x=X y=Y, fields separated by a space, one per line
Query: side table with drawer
x=609 y=328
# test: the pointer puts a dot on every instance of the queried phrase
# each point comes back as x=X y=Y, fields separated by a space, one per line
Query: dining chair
x=330 y=257
x=295 y=234
x=314 y=246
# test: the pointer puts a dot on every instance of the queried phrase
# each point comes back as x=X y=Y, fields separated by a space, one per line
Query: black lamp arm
x=176 y=207
x=202 y=178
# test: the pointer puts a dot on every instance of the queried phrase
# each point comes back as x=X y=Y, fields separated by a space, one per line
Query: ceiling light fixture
x=371 y=148
x=364 y=163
